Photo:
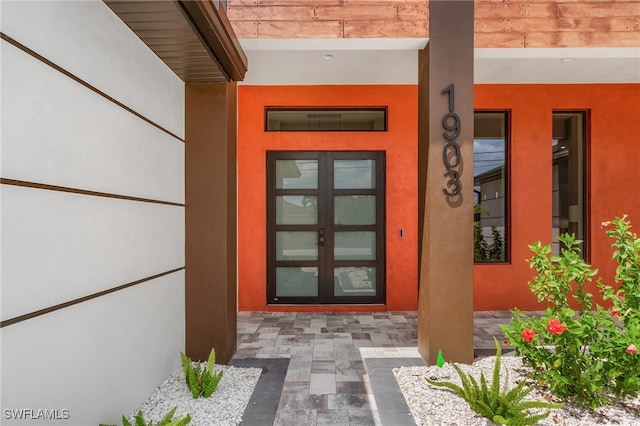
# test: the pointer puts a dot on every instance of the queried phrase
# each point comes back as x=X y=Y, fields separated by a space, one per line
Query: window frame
x=507 y=186
x=586 y=179
x=383 y=109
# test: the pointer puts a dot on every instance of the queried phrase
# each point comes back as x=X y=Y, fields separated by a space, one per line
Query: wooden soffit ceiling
x=498 y=23
x=193 y=37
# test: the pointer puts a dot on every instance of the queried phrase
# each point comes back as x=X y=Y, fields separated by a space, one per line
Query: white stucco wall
x=103 y=357
x=98 y=359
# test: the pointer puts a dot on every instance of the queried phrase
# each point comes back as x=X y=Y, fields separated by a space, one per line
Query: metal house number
x=451 y=151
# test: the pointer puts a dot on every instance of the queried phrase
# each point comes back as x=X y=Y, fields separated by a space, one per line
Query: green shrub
x=167 y=420
x=480 y=247
x=201 y=381
x=502 y=407
x=589 y=354
x=496 y=249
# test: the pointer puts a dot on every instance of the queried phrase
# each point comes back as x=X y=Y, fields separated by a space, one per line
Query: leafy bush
x=201 y=381
x=589 y=354
x=167 y=420
x=502 y=407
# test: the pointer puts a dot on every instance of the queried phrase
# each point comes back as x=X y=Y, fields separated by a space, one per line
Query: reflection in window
x=354 y=174
x=354 y=281
x=354 y=210
x=297 y=282
x=296 y=174
x=296 y=245
x=568 y=198
x=490 y=187
x=296 y=210
x=355 y=245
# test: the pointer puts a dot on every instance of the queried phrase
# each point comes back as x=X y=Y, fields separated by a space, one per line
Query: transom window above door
x=326 y=119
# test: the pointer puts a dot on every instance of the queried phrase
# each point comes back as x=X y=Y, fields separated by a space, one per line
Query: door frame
x=325 y=259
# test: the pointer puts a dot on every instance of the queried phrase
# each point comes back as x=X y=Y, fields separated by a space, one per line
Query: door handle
x=321 y=236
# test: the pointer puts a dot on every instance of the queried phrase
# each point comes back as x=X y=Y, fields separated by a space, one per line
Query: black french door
x=325 y=227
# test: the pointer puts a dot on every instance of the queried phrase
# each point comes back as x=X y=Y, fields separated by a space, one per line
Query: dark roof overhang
x=193 y=37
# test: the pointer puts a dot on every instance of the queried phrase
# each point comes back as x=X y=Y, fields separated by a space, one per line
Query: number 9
x=455 y=127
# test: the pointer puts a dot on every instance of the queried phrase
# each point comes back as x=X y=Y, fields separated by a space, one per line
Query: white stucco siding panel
x=57 y=131
x=59 y=246
x=87 y=39
x=98 y=359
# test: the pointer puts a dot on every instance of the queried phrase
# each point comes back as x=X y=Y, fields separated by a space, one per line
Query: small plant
x=201 y=381
x=167 y=420
x=502 y=407
x=480 y=247
x=496 y=249
x=590 y=353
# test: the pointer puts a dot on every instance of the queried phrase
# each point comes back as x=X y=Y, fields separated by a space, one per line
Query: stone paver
x=337 y=366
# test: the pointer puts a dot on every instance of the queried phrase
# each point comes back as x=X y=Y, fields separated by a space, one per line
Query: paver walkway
x=324 y=368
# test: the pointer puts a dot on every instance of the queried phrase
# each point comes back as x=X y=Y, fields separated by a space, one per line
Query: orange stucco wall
x=613 y=177
x=399 y=143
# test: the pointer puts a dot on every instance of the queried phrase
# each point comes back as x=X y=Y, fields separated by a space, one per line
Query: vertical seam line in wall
x=78 y=80
x=34 y=314
x=36 y=185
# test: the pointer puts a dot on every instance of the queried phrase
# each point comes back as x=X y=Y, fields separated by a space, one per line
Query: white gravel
x=224 y=408
x=431 y=405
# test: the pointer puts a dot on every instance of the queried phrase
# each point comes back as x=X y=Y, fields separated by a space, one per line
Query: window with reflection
x=490 y=180
x=569 y=187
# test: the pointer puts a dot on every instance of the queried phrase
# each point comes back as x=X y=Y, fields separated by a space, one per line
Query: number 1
x=452 y=96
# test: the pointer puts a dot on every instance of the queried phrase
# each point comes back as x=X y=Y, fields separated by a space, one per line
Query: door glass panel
x=354 y=210
x=296 y=174
x=296 y=246
x=296 y=210
x=359 y=245
x=295 y=282
x=354 y=281
x=354 y=174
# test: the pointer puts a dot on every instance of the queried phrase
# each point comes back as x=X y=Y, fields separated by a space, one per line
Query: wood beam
x=293 y=29
x=365 y=29
x=356 y=12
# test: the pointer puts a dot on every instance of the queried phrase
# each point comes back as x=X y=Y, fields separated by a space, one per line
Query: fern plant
x=201 y=381
x=500 y=406
x=167 y=420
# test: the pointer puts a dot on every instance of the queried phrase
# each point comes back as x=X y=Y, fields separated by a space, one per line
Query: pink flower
x=632 y=349
x=605 y=224
x=528 y=334
x=555 y=327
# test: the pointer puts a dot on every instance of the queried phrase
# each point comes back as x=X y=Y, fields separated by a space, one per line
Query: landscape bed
x=432 y=405
x=224 y=408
